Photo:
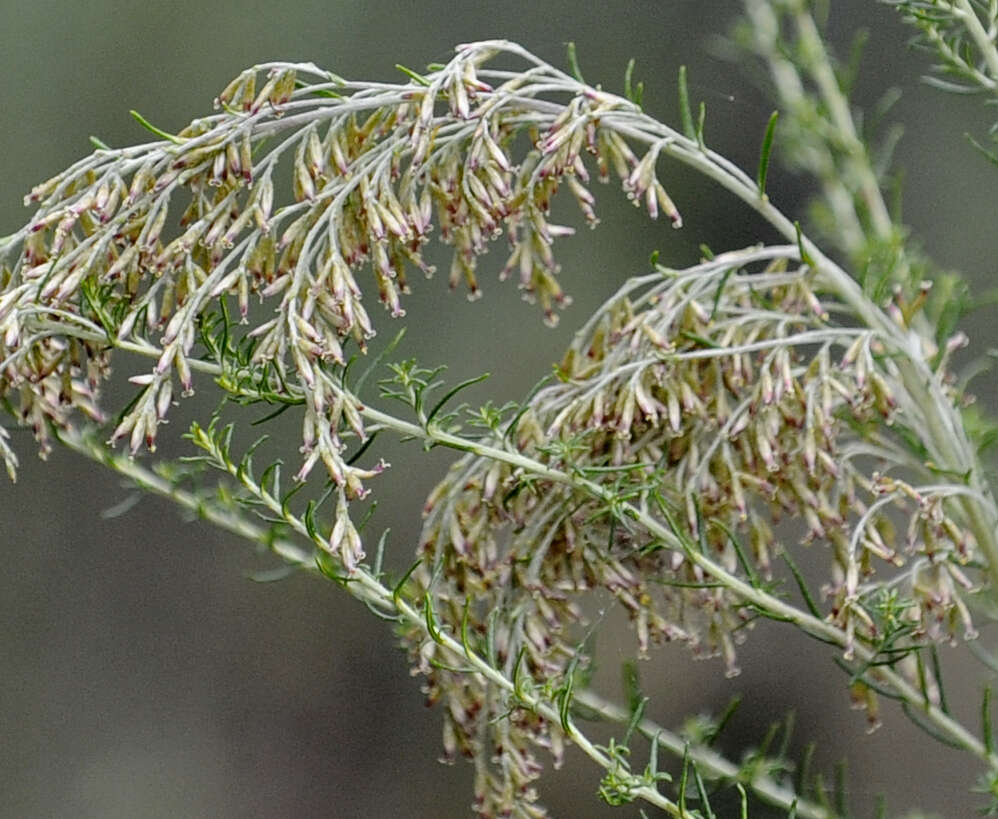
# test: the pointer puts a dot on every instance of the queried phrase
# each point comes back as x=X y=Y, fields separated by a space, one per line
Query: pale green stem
x=767 y=603
x=838 y=108
x=368 y=589
x=362 y=585
x=708 y=761
x=748 y=593
x=947 y=442
x=985 y=44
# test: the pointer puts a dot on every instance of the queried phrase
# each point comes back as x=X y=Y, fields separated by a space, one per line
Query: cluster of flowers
x=106 y=262
x=693 y=410
x=711 y=401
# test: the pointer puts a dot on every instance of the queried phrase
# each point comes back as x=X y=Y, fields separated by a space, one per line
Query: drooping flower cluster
x=714 y=401
x=134 y=248
x=694 y=411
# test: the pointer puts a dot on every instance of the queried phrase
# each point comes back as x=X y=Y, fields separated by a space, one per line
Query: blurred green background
x=142 y=674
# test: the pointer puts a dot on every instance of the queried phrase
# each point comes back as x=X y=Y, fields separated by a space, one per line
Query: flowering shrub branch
x=691 y=412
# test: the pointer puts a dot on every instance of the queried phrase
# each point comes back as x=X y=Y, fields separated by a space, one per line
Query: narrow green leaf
x=725 y=718
x=490 y=636
x=381 y=615
x=309 y=520
x=329 y=567
x=840 y=788
x=767 y=740
x=720 y=289
x=271 y=415
x=397 y=591
x=693 y=584
x=805 y=768
x=452 y=392
x=788 y=732
x=99 y=143
x=636 y=716
x=431 y=619
x=850 y=69
x=804 y=255
x=702 y=791
x=682 y=780
x=991 y=156
x=701 y=528
x=633 y=92
x=141 y=120
x=863 y=677
x=802 y=585
x=465 y=618
x=321 y=92
x=937 y=672
x=749 y=569
x=245 y=470
x=821 y=792
x=767 y=147
x=930 y=729
x=223 y=341
x=363 y=448
x=701 y=119
x=573 y=61
x=685 y=112
x=565 y=699
x=379 y=553
x=703 y=341
x=121 y=507
x=923 y=681
x=518 y=676
x=452 y=668
x=377 y=362
x=632 y=685
x=412 y=75
x=273 y=575
x=90 y=293
x=286 y=500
